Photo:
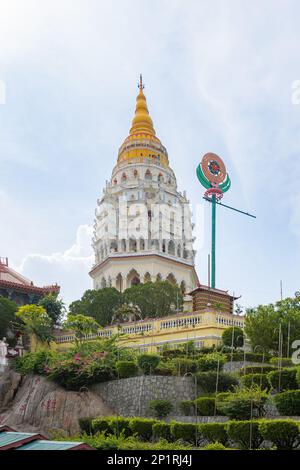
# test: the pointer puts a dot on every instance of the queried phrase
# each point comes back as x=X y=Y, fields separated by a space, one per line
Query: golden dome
x=142 y=142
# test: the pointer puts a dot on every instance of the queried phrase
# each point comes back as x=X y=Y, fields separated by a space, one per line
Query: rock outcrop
x=33 y=403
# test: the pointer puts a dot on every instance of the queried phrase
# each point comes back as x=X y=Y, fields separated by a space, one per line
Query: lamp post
x=263 y=361
x=217 y=382
x=196 y=396
x=280 y=341
x=244 y=349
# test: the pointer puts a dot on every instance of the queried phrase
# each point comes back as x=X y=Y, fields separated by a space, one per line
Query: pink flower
x=77 y=357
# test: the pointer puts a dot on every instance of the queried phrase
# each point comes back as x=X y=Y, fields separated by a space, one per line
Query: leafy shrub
x=126 y=369
x=256 y=379
x=240 y=432
x=164 y=369
x=161 y=408
x=113 y=442
x=256 y=369
x=187 y=407
x=120 y=425
x=171 y=353
x=183 y=365
x=161 y=430
x=214 y=446
x=284 y=362
x=35 y=363
x=282 y=433
x=207 y=381
x=102 y=425
x=148 y=362
x=187 y=432
x=283 y=380
x=85 y=425
x=243 y=404
x=214 y=432
x=142 y=427
x=288 y=403
x=298 y=377
x=76 y=374
x=250 y=357
x=205 y=406
x=210 y=362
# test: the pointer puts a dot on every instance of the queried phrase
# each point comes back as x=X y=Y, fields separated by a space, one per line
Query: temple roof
x=11 y=279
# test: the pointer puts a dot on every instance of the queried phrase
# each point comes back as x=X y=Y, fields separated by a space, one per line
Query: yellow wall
x=204 y=328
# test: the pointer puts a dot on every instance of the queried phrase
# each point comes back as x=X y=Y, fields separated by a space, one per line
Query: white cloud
x=68 y=268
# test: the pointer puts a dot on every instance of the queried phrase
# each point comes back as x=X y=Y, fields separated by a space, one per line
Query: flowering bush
x=78 y=371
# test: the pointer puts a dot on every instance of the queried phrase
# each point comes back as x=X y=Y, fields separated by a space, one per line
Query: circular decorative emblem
x=211 y=173
x=213 y=168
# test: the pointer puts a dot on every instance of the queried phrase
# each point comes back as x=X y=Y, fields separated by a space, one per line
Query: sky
x=219 y=77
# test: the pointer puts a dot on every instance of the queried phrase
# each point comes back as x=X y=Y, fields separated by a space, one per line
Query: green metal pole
x=213 y=242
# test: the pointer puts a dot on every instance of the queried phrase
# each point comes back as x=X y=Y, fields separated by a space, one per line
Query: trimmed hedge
x=210 y=362
x=120 y=425
x=282 y=433
x=286 y=377
x=244 y=405
x=162 y=431
x=207 y=381
x=102 y=424
x=214 y=432
x=187 y=407
x=205 y=406
x=148 y=363
x=250 y=357
x=142 y=427
x=288 y=403
x=183 y=366
x=170 y=353
x=187 y=432
x=298 y=377
x=85 y=425
x=259 y=380
x=161 y=408
x=126 y=369
x=284 y=361
x=164 y=369
x=257 y=369
x=215 y=446
x=240 y=431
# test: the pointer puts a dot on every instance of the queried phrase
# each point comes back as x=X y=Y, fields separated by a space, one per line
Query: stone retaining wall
x=131 y=397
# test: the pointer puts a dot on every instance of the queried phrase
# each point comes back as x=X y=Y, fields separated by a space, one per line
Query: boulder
x=41 y=405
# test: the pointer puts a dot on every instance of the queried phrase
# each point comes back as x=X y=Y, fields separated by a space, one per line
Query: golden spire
x=142 y=122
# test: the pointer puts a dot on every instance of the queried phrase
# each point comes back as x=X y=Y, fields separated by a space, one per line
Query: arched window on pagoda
x=115 y=181
x=124 y=177
x=135 y=174
x=160 y=178
x=148 y=175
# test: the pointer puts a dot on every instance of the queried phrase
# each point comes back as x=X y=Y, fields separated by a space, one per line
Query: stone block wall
x=131 y=397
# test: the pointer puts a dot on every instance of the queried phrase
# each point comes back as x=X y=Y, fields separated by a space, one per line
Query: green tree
x=155 y=299
x=54 y=307
x=36 y=322
x=99 y=304
x=81 y=325
x=233 y=333
x=8 y=311
x=262 y=324
x=126 y=312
